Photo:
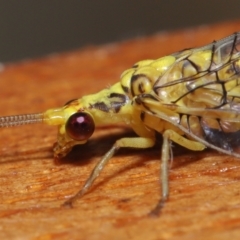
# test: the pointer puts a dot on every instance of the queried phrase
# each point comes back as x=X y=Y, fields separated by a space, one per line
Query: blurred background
x=30 y=29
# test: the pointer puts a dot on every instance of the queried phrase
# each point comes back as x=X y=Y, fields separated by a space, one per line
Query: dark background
x=30 y=29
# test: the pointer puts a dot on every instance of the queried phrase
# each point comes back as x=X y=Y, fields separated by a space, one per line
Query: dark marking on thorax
x=125 y=89
x=102 y=106
x=117 y=100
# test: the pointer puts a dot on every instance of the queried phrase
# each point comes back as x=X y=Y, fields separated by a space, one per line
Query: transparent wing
x=200 y=94
x=213 y=69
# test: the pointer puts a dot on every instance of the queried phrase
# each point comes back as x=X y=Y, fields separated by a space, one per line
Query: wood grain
x=204 y=186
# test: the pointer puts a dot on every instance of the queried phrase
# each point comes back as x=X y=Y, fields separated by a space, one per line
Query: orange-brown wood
x=204 y=186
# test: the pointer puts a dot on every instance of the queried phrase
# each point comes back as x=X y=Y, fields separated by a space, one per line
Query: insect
x=191 y=97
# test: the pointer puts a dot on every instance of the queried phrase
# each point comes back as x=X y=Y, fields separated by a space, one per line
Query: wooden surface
x=204 y=186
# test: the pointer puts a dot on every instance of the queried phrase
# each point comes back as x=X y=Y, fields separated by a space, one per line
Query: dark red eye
x=80 y=126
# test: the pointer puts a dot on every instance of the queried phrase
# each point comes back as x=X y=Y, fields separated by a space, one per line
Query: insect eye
x=80 y=126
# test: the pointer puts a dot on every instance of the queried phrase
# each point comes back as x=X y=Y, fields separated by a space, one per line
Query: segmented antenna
x=16 y=120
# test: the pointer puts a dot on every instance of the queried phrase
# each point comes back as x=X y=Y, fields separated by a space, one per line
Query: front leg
x=138 y=142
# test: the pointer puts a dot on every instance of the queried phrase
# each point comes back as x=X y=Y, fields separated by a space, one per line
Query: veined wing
x=206 y=77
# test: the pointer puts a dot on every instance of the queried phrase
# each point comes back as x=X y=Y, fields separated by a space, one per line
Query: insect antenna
x=16 y=120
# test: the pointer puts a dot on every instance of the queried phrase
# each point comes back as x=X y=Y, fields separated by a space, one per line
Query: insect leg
x=139 y=142
x=168 y=136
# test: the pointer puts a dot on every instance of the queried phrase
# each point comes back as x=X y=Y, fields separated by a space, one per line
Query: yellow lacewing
x=191 y=97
